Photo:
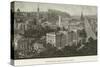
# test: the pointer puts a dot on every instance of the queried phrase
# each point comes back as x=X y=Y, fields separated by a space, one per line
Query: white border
x=54 y=60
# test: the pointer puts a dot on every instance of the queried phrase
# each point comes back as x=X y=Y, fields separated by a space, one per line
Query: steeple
x=82 y=17
x=38 y=11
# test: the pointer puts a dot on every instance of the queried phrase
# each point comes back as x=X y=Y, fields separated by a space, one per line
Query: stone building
x=58 y=40
x=51 y=38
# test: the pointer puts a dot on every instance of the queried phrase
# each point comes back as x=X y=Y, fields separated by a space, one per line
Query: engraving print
x=46 y=30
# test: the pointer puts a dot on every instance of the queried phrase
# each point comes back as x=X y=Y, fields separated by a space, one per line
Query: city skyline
x=42 y=33
x=32 y=7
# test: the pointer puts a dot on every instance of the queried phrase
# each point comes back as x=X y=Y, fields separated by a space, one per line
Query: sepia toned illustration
x=46 y=30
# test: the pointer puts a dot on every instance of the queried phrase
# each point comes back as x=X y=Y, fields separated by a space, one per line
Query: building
x=51 y=38
x=24 y=46
x=58 y=40
x=61 y=39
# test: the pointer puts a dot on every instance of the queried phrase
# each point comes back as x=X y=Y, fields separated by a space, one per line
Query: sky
x=71 y=9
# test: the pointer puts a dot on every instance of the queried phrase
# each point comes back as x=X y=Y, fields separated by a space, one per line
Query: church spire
x=82 y=17
x=38 y=8
x=38 y=13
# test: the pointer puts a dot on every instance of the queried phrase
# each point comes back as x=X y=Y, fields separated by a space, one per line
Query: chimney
x=59 y=21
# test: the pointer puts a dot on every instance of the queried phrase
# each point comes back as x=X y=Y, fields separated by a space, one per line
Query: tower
x=38 y=13
x=82 y=20
x=59 y=21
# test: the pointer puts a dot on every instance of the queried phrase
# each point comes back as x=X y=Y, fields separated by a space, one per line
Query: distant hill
x=57 y=12
x=53 y=15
